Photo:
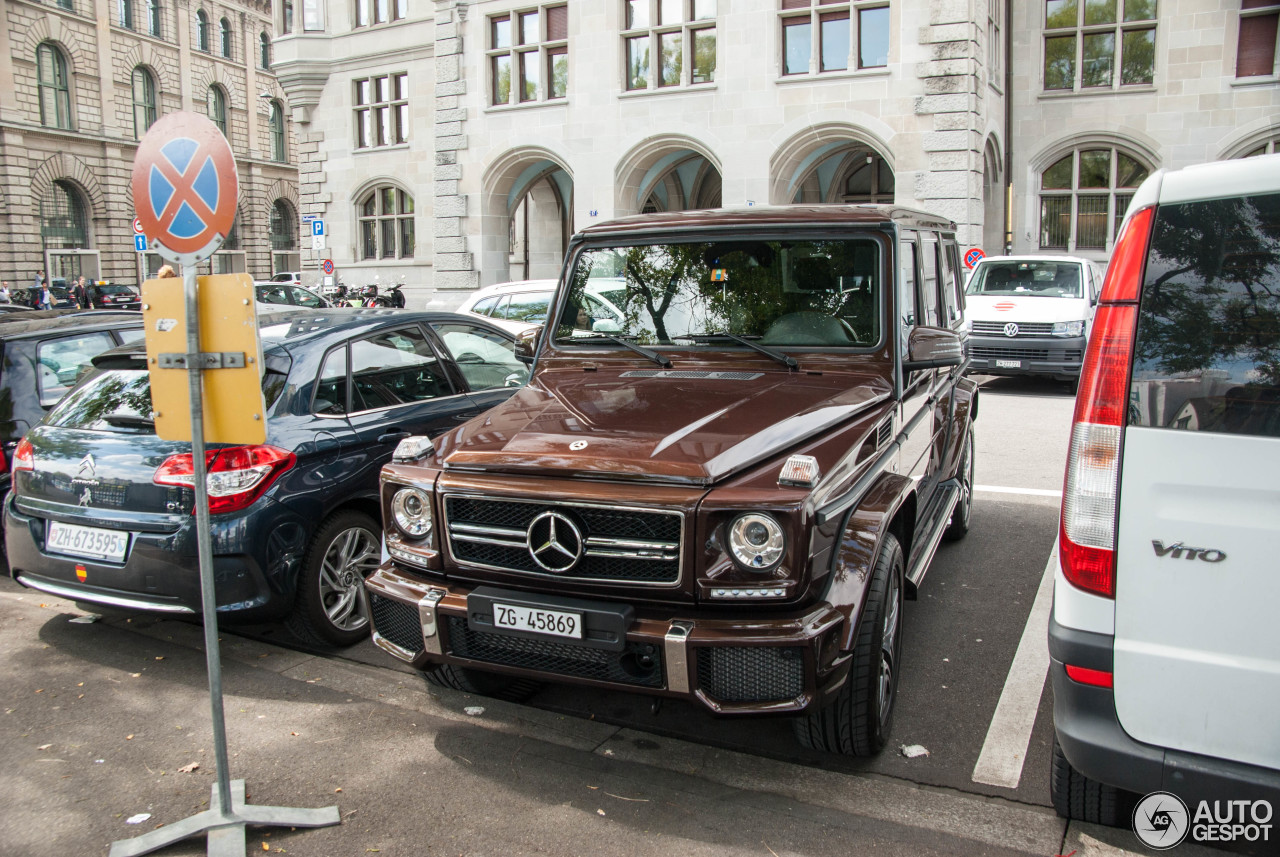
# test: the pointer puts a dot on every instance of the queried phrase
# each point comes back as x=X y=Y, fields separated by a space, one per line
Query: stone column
x=453 y=267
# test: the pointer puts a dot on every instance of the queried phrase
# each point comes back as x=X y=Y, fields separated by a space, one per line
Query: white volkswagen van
x=1031 y=315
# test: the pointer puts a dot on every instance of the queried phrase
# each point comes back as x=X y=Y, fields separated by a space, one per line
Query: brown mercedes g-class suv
x=722 y=492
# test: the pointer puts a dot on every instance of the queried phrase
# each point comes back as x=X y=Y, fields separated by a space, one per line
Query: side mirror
x=524 y=348
x=932 y=348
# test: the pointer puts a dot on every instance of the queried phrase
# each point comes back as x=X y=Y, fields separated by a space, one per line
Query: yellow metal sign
x=234 y=411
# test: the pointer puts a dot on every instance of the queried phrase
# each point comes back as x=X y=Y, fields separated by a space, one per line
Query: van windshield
x=1027 y=279
x=813 y=293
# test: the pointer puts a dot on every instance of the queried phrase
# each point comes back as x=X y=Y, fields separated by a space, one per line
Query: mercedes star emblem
x=577 y=445
x=1010 y=329
x=554 y=542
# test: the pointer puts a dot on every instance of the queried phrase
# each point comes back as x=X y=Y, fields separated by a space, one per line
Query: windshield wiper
x=129 y=421
x=785 y=360
x=660 y=359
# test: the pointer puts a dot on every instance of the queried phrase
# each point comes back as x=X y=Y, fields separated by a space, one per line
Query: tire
x=857 y=721
x=958 y=528
x=481 y=683
x=1076 y=796
x=331 y=605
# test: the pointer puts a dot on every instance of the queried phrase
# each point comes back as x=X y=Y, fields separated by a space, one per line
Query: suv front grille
x=1025 y=328
x=637 y=664
x=984 y=352
x=758 y=674
x=618 y=544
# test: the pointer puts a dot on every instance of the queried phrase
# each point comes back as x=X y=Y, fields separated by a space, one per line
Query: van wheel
x=332 y=606
x=1076 y=796
x=959 y=525
x=857 y=722
x=481 y=683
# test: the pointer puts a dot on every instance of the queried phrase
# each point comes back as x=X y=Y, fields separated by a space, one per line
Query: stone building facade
x=82 y=80
x=452 y=144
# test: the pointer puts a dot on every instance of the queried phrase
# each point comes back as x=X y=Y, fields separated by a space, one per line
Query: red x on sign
x=185 y=186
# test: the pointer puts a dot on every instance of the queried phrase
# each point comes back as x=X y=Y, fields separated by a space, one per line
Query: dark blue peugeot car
x=101 y=508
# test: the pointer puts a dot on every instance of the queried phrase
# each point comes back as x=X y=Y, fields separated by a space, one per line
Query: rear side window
x=1207 y=355
x=60 y=362
x=120 y=399
x=531 y=307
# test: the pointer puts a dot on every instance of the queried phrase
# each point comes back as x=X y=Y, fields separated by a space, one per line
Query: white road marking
x=1031 y=492
x=1005 y=749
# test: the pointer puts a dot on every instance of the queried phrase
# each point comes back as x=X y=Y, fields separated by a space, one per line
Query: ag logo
x=1161 y=820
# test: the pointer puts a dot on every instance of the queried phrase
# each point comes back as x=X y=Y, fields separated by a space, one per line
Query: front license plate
x=1008 y=364
x=90 y=542
x=538 y=621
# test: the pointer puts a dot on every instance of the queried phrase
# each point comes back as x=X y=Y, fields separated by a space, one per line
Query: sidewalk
x=100 y=722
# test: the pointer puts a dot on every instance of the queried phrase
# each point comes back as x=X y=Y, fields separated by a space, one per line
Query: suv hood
x=687 y=427
x=1025 y=309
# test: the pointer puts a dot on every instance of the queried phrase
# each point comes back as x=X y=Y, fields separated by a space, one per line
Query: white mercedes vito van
x=1030 y=315
x=1165 y=635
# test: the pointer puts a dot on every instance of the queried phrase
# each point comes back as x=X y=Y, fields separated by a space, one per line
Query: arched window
x=224 y=37
x=144 y=101
x=217 y=106
x=63 y=224
x=125 y=11
x=286 y=16
x=202 y=31
x=867 y=178
x=264 y=51
x=284 y=237
x=386 y=224
x=277 y=132
x=1083 y=196
x=55 y=94
x=1268 y=148
x=153 y=18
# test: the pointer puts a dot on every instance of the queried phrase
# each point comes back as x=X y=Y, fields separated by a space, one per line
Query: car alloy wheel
x=331 y=607
x=352 y=556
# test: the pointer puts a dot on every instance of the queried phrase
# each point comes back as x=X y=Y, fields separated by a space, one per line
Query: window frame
x=1114 y=192
x=216 y=109
x=395 y=108
x=224 y=38
x=1264 y=9
x=813 y=15
x=373 y=13
x=155 y=18
x=539 y=53
x=124 y=14
x=1080 y=31
x=279 y=138
x=373 y=227
x=264 y=51
x=652 y=32
x=202 y=31
x=58 y=90
x=149 y=106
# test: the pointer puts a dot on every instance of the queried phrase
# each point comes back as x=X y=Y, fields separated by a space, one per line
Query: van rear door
x=1197 y=627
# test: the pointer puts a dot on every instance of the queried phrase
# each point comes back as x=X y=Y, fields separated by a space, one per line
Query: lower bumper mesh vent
x=751 y=674
x=637 y=664
x=397 y=622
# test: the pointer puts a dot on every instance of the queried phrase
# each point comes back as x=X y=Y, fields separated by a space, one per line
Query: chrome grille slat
x=1025 y=328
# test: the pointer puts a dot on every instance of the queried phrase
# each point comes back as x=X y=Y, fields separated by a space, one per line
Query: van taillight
x=24 y=456
x=237 y=475
x=1087 y=537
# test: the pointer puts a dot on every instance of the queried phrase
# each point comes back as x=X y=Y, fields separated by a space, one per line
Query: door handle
x=394 y=434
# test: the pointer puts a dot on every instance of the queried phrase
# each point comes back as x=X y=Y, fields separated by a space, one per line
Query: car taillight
x=237 y=475
x=1084 y=675
x=24 y=457
x=1087 y=537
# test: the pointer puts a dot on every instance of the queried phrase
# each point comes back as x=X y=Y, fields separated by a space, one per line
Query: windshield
x=1027 y=279
x=812 y=293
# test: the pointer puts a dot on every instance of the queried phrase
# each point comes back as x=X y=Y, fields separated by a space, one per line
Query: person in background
x=165 y=272
x=44 y=299
x=5 y=297
x=39 y=279
x=81 y=294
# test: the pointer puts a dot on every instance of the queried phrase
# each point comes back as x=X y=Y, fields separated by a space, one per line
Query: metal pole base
x=226 y=829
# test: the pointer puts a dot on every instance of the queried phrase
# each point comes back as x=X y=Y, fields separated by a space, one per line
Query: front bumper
x=1003 y=355
x=760 y=665
x=1097 y=746
x=160 y=573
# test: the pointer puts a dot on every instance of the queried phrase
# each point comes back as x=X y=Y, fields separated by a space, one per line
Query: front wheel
x=857 y=722
x=959 y=525
x=481 y=683
x=331 y=603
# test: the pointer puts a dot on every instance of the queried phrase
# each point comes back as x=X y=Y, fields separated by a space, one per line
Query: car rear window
x=120 y=399
x=1207 y=353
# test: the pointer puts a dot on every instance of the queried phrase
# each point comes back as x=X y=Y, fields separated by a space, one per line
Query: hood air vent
x=703 y=376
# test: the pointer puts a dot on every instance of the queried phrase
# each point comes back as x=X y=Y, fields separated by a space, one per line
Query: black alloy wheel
x=332 y=607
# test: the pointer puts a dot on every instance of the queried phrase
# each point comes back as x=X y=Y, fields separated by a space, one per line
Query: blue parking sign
x=140 y=243
x=317 y=227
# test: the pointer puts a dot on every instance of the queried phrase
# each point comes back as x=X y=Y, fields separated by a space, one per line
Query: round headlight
x=756 y=541
x=411 y=510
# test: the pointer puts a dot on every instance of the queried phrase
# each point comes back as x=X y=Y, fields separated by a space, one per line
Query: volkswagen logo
x=1010 y=329
x=554 y=542
x=87 y=468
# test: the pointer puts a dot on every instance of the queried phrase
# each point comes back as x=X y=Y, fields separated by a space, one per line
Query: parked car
x=1164 y=642
x=521 y=306
x=114 y=296
x=288 y=295
x=12 y=307
x=727 y=499
x=1031 y=315
x=291 y=277
x=42 y=353
x=58 y=289
x=101 y=508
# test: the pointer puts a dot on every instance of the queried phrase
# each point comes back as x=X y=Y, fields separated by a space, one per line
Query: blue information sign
x=140 y=243
x=317 y=227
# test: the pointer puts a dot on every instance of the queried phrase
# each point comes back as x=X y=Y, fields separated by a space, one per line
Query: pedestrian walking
x=5 y=297
x=81 y=293
x=44 y=298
